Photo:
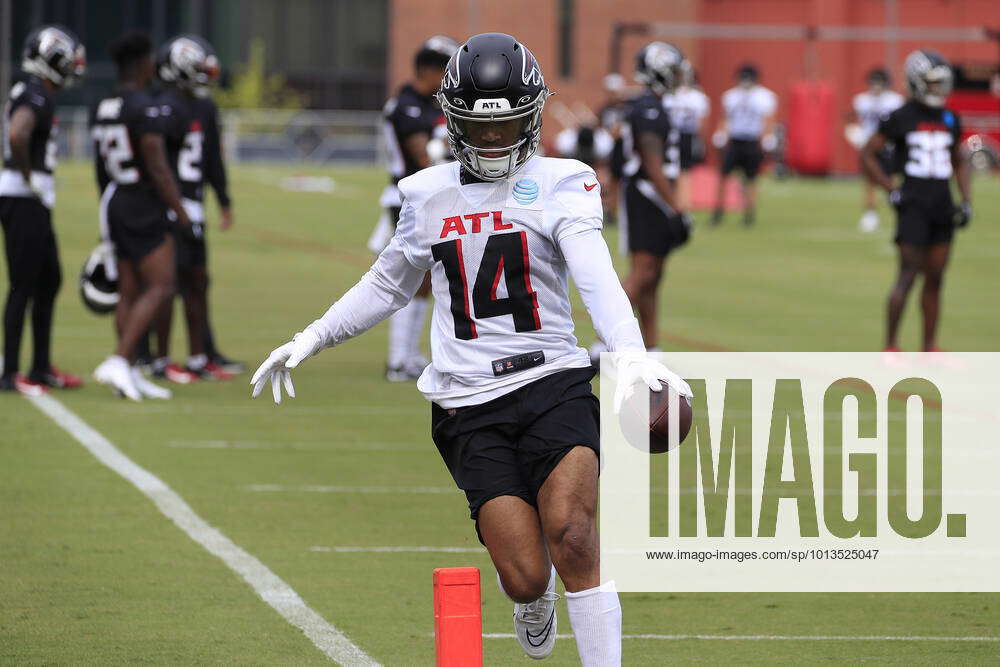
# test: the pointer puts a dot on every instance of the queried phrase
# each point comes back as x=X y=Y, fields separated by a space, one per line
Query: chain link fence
x=266 y=135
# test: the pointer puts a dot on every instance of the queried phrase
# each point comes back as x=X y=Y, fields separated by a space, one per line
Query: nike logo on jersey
x=589 y=187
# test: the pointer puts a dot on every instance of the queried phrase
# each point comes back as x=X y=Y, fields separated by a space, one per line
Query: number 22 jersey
x=502 y=315
x=924 y=137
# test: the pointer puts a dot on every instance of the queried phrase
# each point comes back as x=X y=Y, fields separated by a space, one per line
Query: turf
x=90 y=572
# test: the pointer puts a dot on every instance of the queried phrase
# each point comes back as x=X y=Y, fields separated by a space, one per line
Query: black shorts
x=191 y=249
x=137 y=221
x=744 y=154
x=394 y=212
x=651 y=226
x=923 y=222
x=508 y=446
x=692 y=150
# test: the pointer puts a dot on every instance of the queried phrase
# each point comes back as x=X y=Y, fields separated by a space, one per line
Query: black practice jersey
x=924 y=138
x=117 y=125
x=407 y=114
x=647 y=115
x=212 y=166
x=33 y=94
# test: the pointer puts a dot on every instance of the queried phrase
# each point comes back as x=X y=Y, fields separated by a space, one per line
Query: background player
x=53 y=58
x=870 y=107
x=140 y=203
x=928 y=153
x=513 y=417
x=187 y=66
x=414 y=133
x=748 y=120
x=653 y=222
x=688 y=106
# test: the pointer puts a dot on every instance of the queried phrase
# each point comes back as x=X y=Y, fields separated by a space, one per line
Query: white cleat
x=868 y=222
x=147 y=388
x=535 y=622
x=117 y=374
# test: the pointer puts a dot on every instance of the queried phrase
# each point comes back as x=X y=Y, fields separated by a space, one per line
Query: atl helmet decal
x=451 y=75
x=532 y=76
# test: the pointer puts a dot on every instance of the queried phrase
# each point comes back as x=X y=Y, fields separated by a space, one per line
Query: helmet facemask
x=494 y=143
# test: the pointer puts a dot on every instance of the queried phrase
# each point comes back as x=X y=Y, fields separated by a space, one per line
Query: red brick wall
x=843 y=64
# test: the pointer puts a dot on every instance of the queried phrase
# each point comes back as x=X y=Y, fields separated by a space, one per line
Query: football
x=659 y=422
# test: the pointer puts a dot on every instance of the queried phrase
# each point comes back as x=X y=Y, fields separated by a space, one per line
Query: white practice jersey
x=746 y=110
x=502 y=316
x=871 y=108
x=687 y=107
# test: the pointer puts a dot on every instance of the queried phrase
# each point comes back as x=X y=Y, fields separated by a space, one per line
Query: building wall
x=843 y=64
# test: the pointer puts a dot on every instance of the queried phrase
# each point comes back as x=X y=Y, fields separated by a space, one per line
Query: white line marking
x=431 y=550
x=268 y=585
x=355 y=489
x=822 y=638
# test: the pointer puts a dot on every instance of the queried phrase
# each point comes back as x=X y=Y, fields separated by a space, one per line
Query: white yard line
x=431 y=550
x=813 y=638
x=267 y=584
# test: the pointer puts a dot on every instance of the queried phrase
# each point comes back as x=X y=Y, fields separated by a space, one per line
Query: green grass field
x=91 y=572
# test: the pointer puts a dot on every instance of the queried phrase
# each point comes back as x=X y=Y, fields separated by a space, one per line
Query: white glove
x=279 y=363
x=719 y=139
x=636 y=365
x=768 y=143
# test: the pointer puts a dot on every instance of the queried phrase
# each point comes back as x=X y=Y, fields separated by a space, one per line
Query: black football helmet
x=492 y=96
x=99 y=280
x=189 y=62
x=660 y=66
x=54 y=53
x=928 y=77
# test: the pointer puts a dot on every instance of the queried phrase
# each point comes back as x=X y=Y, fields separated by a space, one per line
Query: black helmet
x=54 y=53
x=660 y=66
x=493 y=93
x=99 y=280
x=928 y=77
x=435 y=52
x=189 y=62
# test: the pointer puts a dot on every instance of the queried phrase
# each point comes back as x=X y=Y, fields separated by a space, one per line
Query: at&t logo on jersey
x=525 y=191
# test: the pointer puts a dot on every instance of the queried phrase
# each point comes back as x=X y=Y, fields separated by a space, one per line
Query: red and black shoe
x=210 y=371
x=29 y=387
x=57 y=379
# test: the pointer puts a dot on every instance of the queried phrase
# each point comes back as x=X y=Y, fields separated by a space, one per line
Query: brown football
x=659 y=424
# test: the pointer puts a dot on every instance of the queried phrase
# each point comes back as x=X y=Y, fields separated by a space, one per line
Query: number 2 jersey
x=33 y=94
x=924 y=138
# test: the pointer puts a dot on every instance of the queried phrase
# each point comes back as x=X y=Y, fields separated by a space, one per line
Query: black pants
x=35 y=276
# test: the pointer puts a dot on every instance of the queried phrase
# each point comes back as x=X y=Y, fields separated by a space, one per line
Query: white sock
x=596 y=617
x=399 y=328
x=418 y=315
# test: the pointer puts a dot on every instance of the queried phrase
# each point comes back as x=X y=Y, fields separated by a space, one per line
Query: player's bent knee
x=574 y=544
x=524 y=585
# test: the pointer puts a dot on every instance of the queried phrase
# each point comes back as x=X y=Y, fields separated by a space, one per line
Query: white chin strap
x=934 y=100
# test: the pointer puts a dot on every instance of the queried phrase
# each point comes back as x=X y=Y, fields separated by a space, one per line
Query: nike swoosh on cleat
x=543 y=633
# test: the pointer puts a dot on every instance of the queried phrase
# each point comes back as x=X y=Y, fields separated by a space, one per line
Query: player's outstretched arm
x=590 y=266
x=388 y=286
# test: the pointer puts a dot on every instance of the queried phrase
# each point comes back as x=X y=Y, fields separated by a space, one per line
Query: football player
x=870 y=107
x=140 y=205
x=186 y=67
x=688 y=106
x=415 y=136
x=746 y=130
x=513 y=415
x=653 y=223
x=925 y=136
x=53 y=58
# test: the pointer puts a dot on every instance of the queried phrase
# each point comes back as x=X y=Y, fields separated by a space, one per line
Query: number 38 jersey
x=924 y=137
x=502 y=315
